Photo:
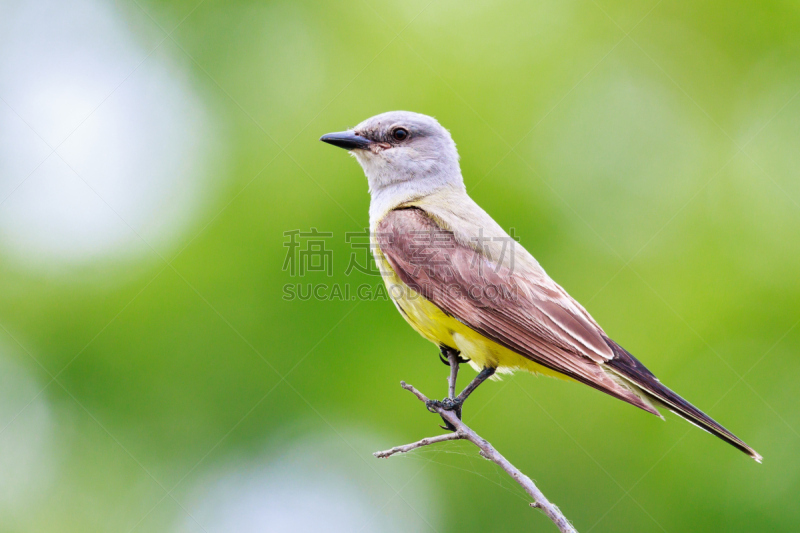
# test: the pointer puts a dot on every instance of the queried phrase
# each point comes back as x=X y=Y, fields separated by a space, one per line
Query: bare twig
x=464 y=432
x=419 y=444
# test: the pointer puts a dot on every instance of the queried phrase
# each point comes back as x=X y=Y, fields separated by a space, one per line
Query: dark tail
x=632 y=370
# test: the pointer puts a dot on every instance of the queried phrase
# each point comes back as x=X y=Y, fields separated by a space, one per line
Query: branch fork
x=463 y=432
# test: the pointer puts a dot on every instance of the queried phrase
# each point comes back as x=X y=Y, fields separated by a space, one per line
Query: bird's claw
x=448 y=426
x=460 y=359
x=432 y=405
x=448 y=404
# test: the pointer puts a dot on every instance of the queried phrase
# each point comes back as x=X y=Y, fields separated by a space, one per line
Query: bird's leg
x=453 y=402
x=454 y=366
x=454 y=360
x=482 y=376
x=449 y=403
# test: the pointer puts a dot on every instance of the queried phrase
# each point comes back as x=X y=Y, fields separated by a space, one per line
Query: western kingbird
x=464 y=284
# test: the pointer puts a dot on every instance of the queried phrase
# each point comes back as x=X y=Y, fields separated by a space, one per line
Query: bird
x=463 y=283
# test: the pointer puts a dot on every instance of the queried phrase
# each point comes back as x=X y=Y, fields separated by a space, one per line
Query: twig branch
x=419 y=444
x=464 y=432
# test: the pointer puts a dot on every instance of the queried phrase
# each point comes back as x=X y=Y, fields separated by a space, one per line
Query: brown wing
x=526 y=312
x=534 y=318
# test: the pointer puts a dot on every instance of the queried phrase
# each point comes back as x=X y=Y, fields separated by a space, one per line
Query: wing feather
x=536 y=319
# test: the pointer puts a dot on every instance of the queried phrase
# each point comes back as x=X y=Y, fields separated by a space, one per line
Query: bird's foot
x=448 y=404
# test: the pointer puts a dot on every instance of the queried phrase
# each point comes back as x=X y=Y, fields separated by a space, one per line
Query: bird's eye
x=400 y=134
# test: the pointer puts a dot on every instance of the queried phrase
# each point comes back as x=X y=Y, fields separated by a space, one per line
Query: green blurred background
x=152 y=155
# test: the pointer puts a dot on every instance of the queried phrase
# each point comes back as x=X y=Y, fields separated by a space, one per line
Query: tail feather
x=632 y=370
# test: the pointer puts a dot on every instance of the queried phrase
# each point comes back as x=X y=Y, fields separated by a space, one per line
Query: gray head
x=402 y=151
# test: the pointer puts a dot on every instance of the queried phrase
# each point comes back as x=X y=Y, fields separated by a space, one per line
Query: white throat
x=389 y=197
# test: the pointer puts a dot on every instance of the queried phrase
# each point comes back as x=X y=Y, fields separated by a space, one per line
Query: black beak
x=346 y=139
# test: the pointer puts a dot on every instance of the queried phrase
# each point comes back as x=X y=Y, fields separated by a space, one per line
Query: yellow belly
x=441 y=329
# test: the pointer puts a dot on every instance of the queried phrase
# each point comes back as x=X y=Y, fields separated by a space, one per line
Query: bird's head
x=401 y=148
